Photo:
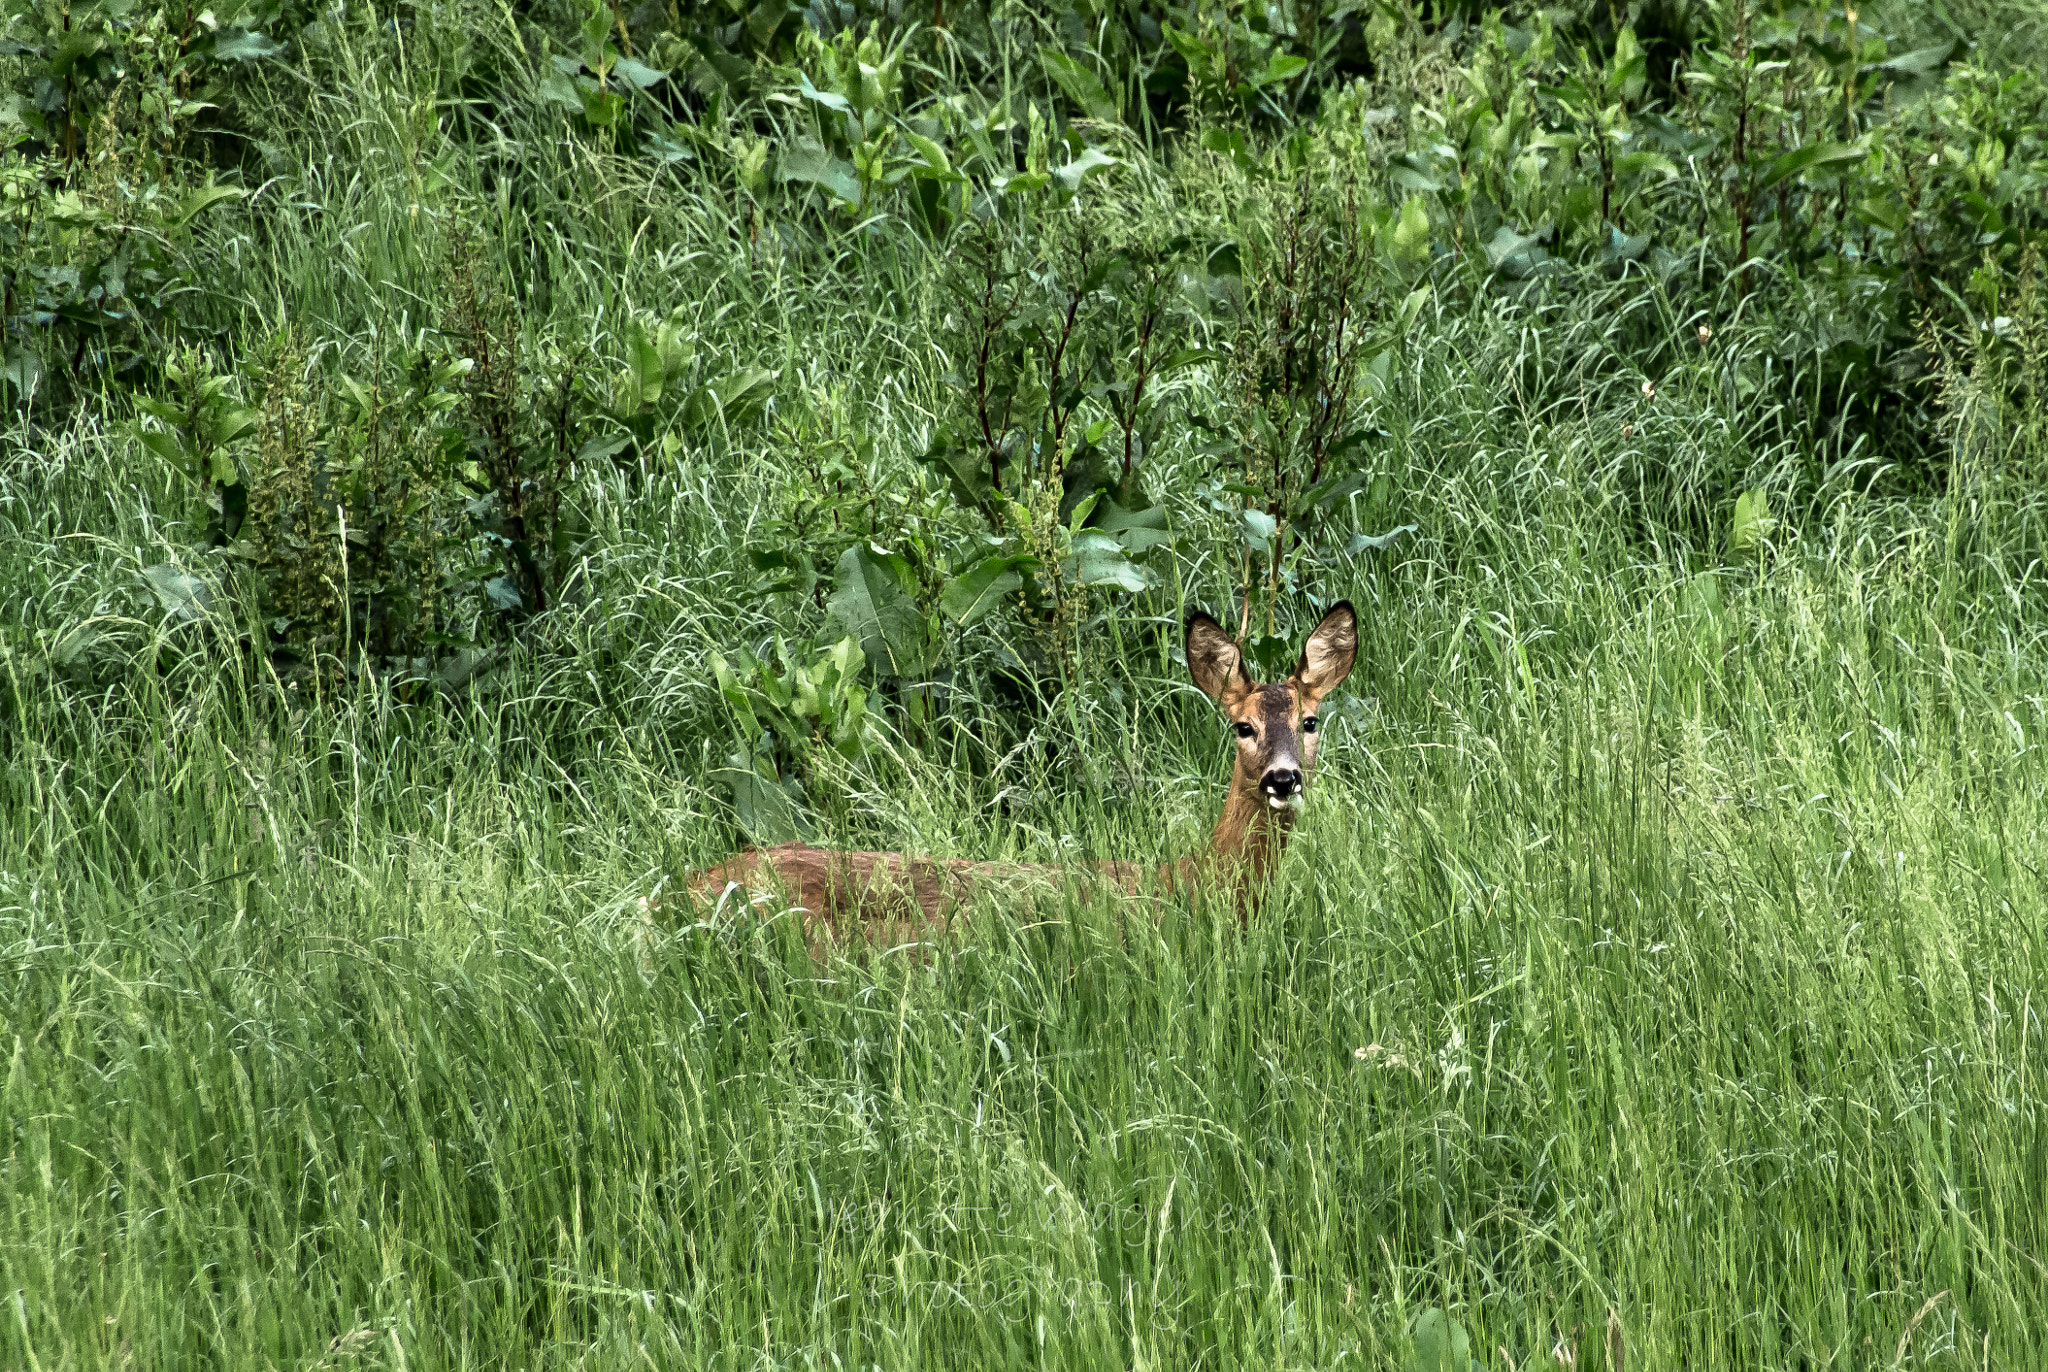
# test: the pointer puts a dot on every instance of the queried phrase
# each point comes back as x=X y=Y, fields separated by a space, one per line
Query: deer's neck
x=1251 y=833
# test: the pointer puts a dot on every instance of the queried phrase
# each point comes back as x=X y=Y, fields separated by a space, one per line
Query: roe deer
x=893 y=897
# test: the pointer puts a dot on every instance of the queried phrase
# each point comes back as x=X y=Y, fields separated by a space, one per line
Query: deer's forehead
x=1275 y=704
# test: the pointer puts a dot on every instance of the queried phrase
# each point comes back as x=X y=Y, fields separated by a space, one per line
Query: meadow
x=1651 y=981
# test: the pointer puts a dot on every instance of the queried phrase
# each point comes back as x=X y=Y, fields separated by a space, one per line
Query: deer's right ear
x=1214 y=660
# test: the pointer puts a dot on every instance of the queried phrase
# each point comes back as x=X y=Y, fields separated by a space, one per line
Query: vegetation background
x=469 y=464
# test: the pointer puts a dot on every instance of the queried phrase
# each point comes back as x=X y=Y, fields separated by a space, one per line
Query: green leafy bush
x=104 y=145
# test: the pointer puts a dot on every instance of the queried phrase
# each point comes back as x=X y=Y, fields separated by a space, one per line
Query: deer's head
x=1275 y=724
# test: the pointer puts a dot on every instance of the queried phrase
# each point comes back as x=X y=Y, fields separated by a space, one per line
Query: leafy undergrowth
x=542 y=492
x=1661 y=945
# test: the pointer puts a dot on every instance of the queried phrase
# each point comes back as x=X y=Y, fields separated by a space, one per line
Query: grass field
x=1659 y=967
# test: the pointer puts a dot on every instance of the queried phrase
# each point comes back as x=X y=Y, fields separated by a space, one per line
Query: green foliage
x=876 y=602
x=1752 y=523
x=80 y=61
x=783 y=712
x=1440 y=1344
x=1238 y=61
x=1057 y=400
x=99 y=181
x=1312 y=323
x=385 y=519
x=1657 y=954
x=203 y=425
x=661 y=392
x=598 y=82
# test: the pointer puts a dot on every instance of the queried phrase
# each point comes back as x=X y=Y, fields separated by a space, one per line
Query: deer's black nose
x=1281 y=781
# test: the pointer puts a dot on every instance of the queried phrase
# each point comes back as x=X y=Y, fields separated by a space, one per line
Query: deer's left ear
x=1327 y=656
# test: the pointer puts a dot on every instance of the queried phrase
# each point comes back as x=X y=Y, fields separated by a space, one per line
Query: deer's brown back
x=886 y=897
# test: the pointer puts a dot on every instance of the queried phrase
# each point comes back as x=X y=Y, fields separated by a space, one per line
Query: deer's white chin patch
x=1293 y=802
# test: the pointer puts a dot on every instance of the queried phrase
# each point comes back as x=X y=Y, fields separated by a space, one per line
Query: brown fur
x=886 y=899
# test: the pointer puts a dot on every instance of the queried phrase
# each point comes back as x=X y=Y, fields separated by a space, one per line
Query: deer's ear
x=1327 y=656
x=1214 y=660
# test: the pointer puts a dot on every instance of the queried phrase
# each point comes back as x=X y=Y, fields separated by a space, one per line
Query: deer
x=893 y=898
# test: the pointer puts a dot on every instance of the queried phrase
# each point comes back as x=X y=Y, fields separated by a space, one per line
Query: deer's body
x=885 y=898
x=892 y=898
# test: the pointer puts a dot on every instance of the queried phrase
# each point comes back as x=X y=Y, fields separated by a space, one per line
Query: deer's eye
x=1245 y=731
x=1308 y=726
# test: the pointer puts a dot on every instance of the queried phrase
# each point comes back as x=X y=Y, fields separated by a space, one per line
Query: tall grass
x=1662 y=943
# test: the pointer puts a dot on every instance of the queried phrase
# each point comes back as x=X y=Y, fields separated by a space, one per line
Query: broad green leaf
x=1379 y=371
x=24 y=371
x=1411 y=232
x=1376 y=542
x=1408 y=179
x=1812 y=157
x=846 y=658
x=1079 y=83
x=168 y=447
x=807 y=161
x=1508 y=244
x=74 y=642
x=1186 y=357
x=1883 y=213
x=1279 y=67
x=873 y=603
x=1334 y=490
x=1752 y=523
x=467 y=666
x=603 y=446
x=637 y=74
x=735 y=397
x=963 y=468
x=740 y=394
x=1098 y=560
x=601 y=107
x=981 y=588
x=560 y=89
x=1092 y=159
x=1231 y=143
x=183 y=596
x=1412 y=306
x=596 y=33
x=934 y=156
x=503 y=595
x=766 y=809
x=234 y=423
x=765 y=18
x=644 y=372
x=734 y=693
x=162 y=409
x=1641 y=163
x=237 y=45
x=1918 y=62
x=825 y=98
x=1440 y=1344
x=81 y=42
x=1138 y=531
x=198 y=199
x=1081 y=509
x=1623 y=247
x=1192 y=49
x=1259 y=528
x=1411 y=173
